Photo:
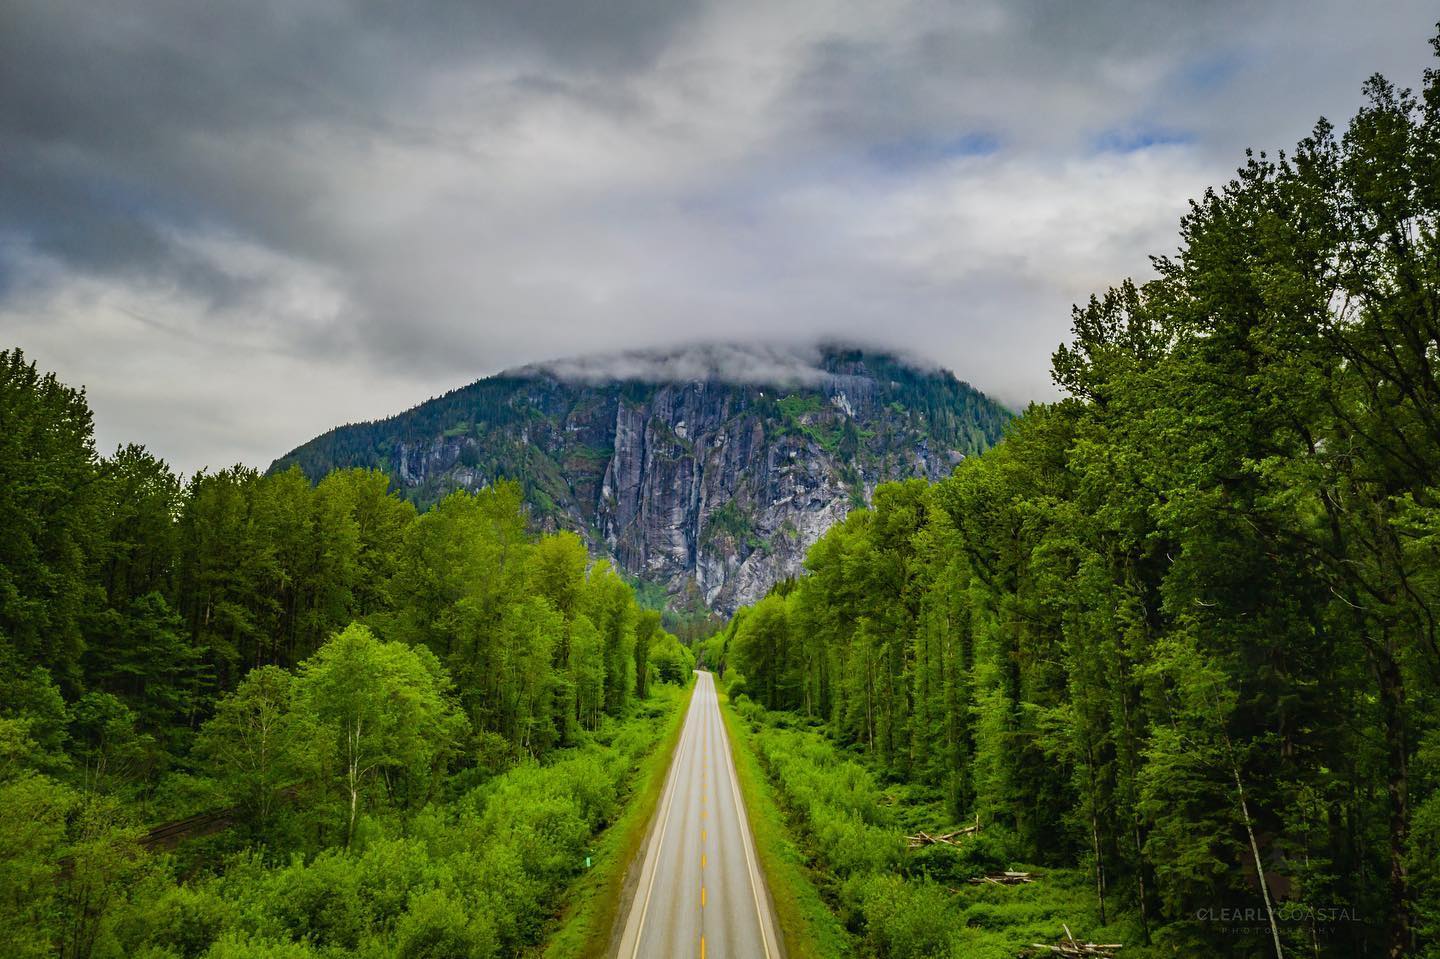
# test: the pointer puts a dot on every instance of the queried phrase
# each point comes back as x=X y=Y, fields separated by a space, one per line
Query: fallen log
x=949 y=838
x=1006 y=878
x=1073 y=947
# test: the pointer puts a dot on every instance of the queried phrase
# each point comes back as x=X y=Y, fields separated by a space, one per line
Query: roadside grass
x=593 y=900
x=810 y=929
x=896 y=902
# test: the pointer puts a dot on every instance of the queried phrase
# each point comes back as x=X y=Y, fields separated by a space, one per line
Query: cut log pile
x=949 y=838
x=1070 y=946
x=1006 y=878
x=1092 y=949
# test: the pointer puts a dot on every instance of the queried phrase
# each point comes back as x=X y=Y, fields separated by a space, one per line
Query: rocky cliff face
x=710 y=488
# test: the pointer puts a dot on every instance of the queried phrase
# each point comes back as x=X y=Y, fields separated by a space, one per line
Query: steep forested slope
x=712 y=485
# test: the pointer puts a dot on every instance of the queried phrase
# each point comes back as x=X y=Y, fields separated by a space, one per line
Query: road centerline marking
x=687 y=739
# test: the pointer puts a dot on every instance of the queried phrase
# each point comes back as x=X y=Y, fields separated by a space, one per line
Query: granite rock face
x=710 y=488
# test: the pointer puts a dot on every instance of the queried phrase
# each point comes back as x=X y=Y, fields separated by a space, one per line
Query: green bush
x=389 y=873
x=975 y=856
x=242 y=947
x=188 y=920
x=437 y=926
x=319 y=901
x=904 y=920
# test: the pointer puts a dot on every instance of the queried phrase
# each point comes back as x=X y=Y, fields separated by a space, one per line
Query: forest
x=1170 y=650
x=1177 y=632
x=400 y=731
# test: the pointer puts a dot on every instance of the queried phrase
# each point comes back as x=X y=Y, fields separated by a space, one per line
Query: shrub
x=187 y=920
x=438 y=926
x=390 y=872
x=240 y=947
x=904 y=920
x=319 y=901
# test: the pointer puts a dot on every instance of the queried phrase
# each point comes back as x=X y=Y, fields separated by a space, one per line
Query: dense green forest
x=410 y=724
x=1179 y=629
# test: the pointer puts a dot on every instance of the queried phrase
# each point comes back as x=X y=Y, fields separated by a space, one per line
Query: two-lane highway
x=701 y=892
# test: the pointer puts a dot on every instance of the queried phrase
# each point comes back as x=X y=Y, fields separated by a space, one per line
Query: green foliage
x=760 y=644
x=32 y=833
x=258 y=741
x=671 y=661
x=730 y=520
x=901 y=902
x=49 y=516
x=478 y=875
x=796 y=405
x=385 y=710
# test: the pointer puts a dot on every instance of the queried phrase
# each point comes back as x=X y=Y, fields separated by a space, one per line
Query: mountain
x=707 y=471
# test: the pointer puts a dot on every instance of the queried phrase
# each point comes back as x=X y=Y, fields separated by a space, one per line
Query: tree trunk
x=1392 y=703
x=1140 y=884
x=1259 y=864
x=1095 y=833
x=354 y=781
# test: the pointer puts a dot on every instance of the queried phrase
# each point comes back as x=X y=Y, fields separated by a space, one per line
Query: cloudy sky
x=241 y=223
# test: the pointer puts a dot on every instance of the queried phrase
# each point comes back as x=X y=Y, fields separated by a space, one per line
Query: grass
x=809 y=928
x=593 y=900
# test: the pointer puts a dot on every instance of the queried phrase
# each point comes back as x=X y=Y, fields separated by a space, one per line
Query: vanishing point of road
x=701 y=892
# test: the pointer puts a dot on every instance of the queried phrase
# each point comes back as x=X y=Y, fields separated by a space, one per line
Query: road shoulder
x=600 y=899
x=807 y=927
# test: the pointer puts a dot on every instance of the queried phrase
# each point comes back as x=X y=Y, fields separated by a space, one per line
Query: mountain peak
x=708 y=470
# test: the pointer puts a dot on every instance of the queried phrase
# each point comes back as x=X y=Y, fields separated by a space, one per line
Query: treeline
x=1181 y=626
x=320 y=661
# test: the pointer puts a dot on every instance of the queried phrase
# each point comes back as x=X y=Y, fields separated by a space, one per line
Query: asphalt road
x=701 y=892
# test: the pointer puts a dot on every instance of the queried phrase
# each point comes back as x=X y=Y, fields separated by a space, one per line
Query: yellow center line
x=702 y=897
x=702 y=947
x=702 y=860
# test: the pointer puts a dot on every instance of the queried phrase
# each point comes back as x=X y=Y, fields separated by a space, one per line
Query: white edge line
x=660 y=840
x=744 y=833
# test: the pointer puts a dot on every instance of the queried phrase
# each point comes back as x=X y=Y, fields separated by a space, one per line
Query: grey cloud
x=773 y=363
x=329 y=210
x=753 y=363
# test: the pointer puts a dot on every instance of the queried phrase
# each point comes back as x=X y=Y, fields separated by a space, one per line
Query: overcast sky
x=241 y=223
